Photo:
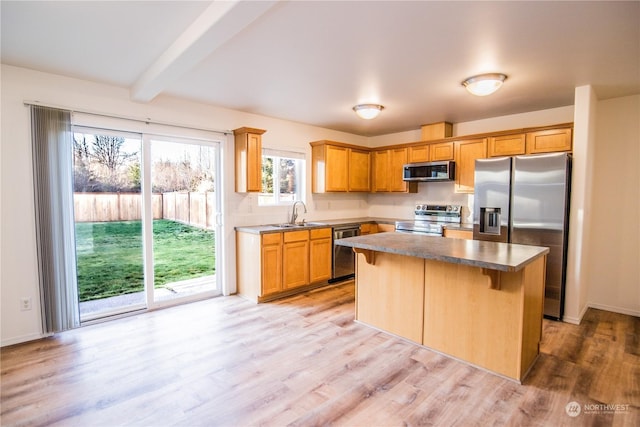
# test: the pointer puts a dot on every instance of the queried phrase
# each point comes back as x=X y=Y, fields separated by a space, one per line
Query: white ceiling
x=311 y=61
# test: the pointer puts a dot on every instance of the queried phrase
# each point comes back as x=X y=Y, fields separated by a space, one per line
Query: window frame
x=300 y=176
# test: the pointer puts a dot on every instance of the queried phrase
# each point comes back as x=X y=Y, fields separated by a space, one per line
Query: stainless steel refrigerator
x=525 y=200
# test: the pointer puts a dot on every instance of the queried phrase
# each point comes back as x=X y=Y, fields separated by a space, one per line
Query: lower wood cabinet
x=295 y=259
x=320 y=250
x=271 y=265
x=382 y=228
x=271 y=261
x=458 y=234
x=368 y=228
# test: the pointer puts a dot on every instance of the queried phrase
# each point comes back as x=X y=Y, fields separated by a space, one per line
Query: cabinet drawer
x=320 y=233
x=271 y=238
x=296 y=236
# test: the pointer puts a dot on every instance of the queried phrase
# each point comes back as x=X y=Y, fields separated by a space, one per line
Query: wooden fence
x=193 y=208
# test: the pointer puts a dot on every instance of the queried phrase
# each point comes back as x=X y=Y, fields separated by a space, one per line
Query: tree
x=107 y=151
x=102 y=165
x=267 y=175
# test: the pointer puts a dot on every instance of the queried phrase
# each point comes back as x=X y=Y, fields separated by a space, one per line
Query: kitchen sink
x=300 y=225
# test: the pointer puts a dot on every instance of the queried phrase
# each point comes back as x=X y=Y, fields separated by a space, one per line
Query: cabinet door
x=398 y=158
x=359 y=170
x=466 y=154
x=381 y=170
x=458 y=234
x=441 y=151
x=384 y=228
x=337 y=168
x=295 y=264
x=320 y=251
x=549 y=141
x=368 y=229
x=506 y=145
x=271 y=269
x=419 y=153
x=254 y=162
x=248 y=159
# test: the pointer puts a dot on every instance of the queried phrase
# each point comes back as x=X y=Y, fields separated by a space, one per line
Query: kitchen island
x=480 y=302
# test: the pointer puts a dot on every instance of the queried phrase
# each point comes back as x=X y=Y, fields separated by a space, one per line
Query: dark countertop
x=273 y=228
x=491 y=255
x=262 y=229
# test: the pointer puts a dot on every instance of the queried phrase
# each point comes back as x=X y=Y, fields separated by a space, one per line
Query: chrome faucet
x=294 y=214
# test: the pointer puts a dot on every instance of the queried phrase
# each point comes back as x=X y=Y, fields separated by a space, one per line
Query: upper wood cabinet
x=435 y=131
x=466 y=154
x=419 y=153
x=507 y=145
x=548 y=141
x=248 y=159
x=380 y=171
x=338 y=167
x=359 y=170
x=398 y=158
x=388 y=171
x=441 y=151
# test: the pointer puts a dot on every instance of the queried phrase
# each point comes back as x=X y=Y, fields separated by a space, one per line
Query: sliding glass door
x=108 y=213
x=185 y=219
x=147 y=215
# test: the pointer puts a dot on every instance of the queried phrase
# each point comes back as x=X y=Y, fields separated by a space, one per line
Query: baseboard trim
x=619 y=310
x=21 y=339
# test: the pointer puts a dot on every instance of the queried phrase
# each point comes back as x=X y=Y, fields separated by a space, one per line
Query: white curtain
x=52 y=142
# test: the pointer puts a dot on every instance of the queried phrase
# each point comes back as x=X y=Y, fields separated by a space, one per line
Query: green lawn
x=110 y=256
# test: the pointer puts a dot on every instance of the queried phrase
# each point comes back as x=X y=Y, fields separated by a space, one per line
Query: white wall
x=614 y=258
x=18 y=262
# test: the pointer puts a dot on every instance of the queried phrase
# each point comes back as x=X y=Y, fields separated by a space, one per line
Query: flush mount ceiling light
x=368 y=111
x=484 y=84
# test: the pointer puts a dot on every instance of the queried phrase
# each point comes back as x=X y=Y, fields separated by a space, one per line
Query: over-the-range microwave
x=430 y=171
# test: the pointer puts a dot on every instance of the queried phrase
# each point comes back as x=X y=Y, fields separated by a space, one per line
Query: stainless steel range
x=430 y=219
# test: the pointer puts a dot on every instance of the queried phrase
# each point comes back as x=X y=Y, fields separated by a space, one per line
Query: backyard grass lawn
x=110 y=256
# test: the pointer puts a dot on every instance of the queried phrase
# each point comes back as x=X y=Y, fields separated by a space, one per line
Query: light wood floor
x=303 y=361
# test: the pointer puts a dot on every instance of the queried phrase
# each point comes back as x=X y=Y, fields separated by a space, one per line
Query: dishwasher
x=344 y=259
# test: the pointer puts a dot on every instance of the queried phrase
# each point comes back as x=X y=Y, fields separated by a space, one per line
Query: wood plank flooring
x=303 y=361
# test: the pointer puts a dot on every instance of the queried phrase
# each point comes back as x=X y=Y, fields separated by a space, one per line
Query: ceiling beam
x=214 y=27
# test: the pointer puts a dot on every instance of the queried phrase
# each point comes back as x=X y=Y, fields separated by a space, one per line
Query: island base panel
x=390 y=294
x=453 y=308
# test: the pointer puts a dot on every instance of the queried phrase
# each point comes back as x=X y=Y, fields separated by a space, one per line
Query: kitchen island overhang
x=480 y=302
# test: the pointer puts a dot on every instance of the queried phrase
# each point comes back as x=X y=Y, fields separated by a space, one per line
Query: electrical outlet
x=25 y=303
